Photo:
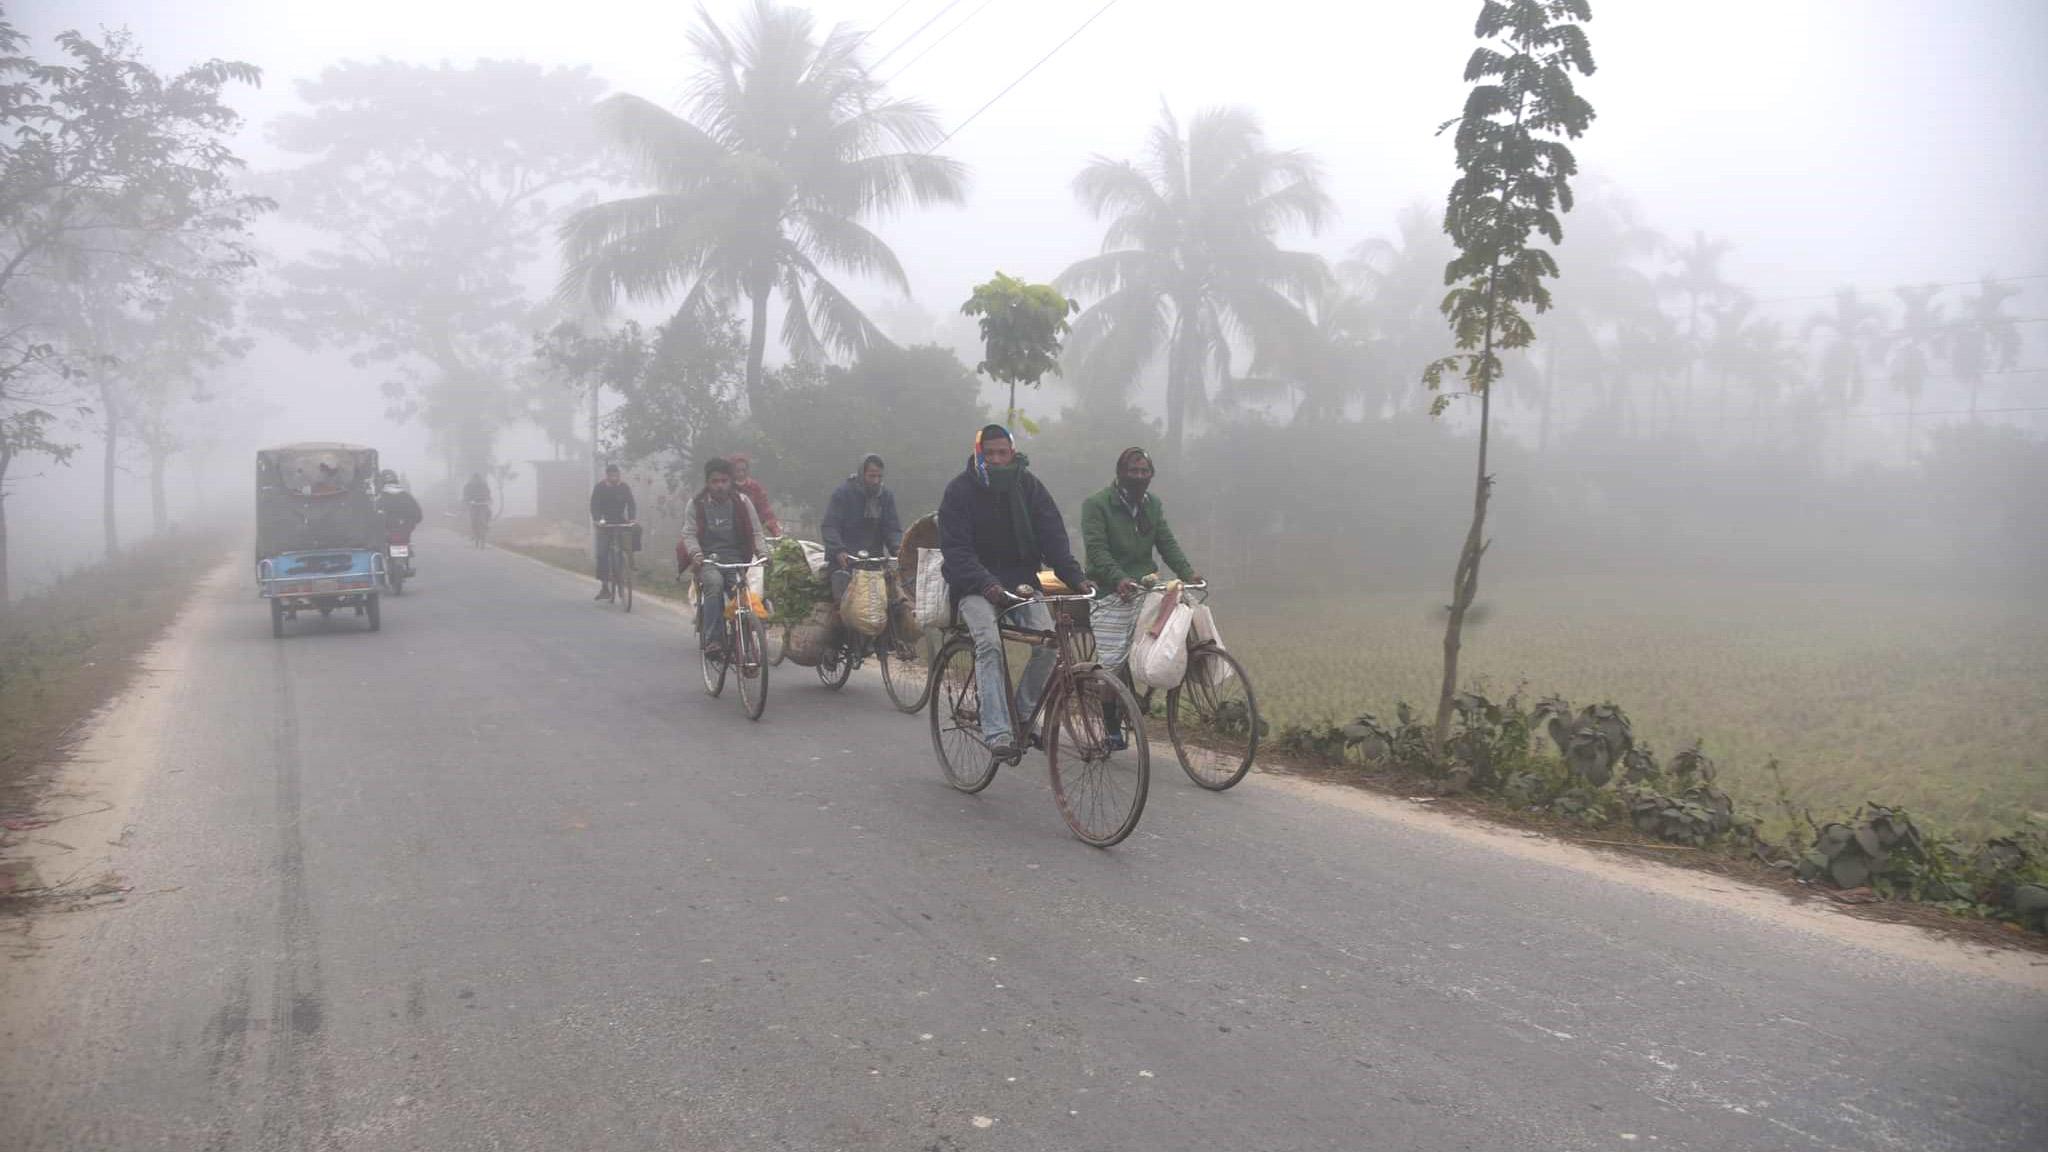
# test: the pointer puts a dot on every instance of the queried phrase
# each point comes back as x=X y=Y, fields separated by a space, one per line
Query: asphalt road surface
x=502 y=877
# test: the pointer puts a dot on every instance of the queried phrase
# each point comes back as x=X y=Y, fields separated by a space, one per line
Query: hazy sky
x=1874 y=141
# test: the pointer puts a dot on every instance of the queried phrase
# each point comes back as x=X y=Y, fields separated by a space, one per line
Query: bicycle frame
x=1061 y=636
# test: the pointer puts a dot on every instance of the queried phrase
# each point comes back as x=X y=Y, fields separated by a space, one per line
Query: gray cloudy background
x=1877 y=142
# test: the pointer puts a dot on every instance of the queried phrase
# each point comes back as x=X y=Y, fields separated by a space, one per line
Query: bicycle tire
x=714 y=672
x=908 y=680
x=1218 y=741
x=835 y=668
x=752 y=665
x=1100 y=792
x=955 y=704
x=622 y=572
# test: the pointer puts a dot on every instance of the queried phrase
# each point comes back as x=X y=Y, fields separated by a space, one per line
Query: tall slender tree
x=1514 y=181
x=1696 y=276
x=1921 y=335
x=788 y=146
x=1854 y=333
x=1191 y=259
x=1986 y=339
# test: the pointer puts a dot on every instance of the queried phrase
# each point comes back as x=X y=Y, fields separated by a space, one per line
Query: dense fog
x=1797 y=329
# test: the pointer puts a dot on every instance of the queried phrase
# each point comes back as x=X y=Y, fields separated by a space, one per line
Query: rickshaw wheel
x=277 y=619
x=376 y=615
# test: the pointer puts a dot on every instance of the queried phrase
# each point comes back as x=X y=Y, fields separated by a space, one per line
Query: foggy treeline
x=503 y=249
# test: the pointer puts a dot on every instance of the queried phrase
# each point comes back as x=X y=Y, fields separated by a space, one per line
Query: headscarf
x=1007 y=480
x=1134 y=502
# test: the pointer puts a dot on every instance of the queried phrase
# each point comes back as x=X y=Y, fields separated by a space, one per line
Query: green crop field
x=1936 y=702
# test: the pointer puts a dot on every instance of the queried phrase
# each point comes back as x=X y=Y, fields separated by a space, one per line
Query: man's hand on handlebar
x=1128 y=588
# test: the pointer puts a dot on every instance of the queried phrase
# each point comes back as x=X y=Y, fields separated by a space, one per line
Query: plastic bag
x=865 y=607
x=1203 y=624
x=934 y=600
x=1114 y=621
x=814 y=555
x=1159 y=655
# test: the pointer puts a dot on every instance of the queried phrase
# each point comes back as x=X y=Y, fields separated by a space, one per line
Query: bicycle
x=903 y=675
x=1098 y=787
x=746 y=643
x=1212 y=715
x=618 y=558
x=479 y=522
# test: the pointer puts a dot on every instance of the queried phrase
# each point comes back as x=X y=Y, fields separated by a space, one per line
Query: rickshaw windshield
x=317 y=471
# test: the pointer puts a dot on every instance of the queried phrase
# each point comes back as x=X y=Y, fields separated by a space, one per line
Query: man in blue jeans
x=997 y=527
x=720 y=524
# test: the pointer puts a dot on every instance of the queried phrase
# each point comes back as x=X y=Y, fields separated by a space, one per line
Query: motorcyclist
x=400 y=510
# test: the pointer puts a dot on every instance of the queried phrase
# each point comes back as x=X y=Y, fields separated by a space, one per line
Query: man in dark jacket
x=997 y=527
x=611 y=502
x=860 y=516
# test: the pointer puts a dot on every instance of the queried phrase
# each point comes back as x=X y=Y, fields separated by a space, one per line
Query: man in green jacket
x=1122 y=525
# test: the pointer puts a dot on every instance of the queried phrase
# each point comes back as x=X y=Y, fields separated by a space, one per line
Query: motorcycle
x=399 y=550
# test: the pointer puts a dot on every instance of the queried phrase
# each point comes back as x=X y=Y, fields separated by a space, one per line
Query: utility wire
x=1020 y=79
x=884 y=23
x=1949 y=412
x=943 y=37
x=1947 y=284
x=905 y=43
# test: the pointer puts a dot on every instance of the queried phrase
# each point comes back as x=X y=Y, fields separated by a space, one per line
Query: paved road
x=502 y=878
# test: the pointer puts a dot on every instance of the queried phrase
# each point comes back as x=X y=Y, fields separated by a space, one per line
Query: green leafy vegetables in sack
x=791 y=587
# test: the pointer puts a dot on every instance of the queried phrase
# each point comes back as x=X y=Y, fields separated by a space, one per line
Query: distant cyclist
x=477 y=495
x=611 y=502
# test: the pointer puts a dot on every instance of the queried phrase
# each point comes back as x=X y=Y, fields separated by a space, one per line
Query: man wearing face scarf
x=997 y=527
x=860 y=516
x=1121 y=527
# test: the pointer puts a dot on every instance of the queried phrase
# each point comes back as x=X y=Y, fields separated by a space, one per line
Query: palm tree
x=1854 y=334
x=1749 y=349
x=1986 y=340
x=1400 y=283
x=1189 y=263
x=788 y=145
x=1921 y=336
x=1607 y=292
x=1698 y=278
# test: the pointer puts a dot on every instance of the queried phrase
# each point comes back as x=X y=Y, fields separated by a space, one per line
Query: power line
x=884 y=23
x=1946 y=284
x=1949 y=412
x=1025 y=76
x=905 y=43
x=943 y=37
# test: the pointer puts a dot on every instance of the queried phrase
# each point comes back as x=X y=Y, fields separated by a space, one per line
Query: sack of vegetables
x=791 y=585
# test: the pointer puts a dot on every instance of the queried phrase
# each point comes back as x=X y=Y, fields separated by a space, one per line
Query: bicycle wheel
x=714 y=671
x=1100 y=790
x=622 y=574
x=835 y=665
x=956 y=718
x=750 y=654
x=1213 y=718
x=906 y=672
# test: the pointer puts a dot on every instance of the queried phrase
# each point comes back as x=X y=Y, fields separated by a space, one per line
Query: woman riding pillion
x=1121 y=527
x=722 y=525
x=998 y=525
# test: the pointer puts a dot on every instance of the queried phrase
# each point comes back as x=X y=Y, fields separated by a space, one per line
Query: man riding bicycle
x=998 y=525
x=611 y=502
x=1121 y=527
x=860 y=516
x=720 y=524
x=477 y=495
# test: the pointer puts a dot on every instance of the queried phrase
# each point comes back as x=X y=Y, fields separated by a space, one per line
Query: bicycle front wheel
x=1213 y=718
x=956 y=718
x=1100 y=788
x=622 y=575
x=750 y=659
x=906 y=672
x=715 y=665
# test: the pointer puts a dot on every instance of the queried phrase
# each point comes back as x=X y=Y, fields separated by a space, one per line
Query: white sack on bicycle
x=866 y=606
x=1159 y=655
x=1203 y=622
x=934 y=602
x=814 y=555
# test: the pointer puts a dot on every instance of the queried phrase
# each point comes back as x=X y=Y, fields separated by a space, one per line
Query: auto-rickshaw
x=319 y=538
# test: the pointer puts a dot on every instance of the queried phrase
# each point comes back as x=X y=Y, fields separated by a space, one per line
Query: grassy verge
x=68 y=649
x=1938 y=702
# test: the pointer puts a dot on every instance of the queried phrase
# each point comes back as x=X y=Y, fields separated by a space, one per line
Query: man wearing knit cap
x=997 y=527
